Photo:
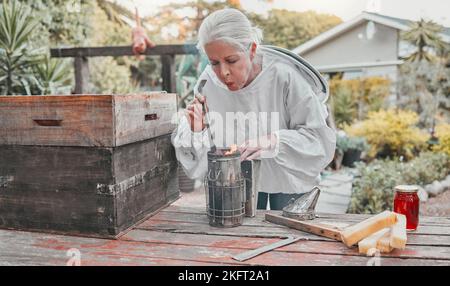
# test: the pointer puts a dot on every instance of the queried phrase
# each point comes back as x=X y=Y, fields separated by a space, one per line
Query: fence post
x=81 y=74
x=169 y=83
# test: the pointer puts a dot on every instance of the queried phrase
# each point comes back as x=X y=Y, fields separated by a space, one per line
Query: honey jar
x=406 y=202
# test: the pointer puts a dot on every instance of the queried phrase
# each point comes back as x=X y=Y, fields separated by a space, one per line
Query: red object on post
x=140 y=40
x=406 y=202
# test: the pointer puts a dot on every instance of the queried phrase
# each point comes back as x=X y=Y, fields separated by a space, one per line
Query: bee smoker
x=250 y=171
x=225 y=189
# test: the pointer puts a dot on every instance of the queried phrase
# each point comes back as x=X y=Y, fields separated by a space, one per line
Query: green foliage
x=290 y=29
x=373 y=188
x=16 y=57
x=148 y=73
x=443 y=135
x=353 y=99
x=424 y=82
x=106 y=32
x=108 y=77
x=424 y=87
x=391 y=133
x=168 y=17
x=52 y=76
x=115 y=12
x=344 y=143
x=73 y=22
x=60 y=22
x=25 y=69
x=424 y=34
x=343 y=106
x=111 y=75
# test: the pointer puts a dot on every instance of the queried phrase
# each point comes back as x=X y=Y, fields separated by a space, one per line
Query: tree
x=424 y=83
x=424 y=35
x=290 y=29
x=116 y=12
x=16 y=59
x=173 y=15
x=25 y=69
x=61 y=22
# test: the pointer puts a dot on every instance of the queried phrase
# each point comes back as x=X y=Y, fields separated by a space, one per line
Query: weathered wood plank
x=147 y=172
x=142 y=116
x=91 y=191
x=201 y=218
x=247 y=230
x=315 y=227
x=55 y=188
x=304 y=246
x=244 y=231
x=54 y=169
x=66 y=120
x=124 y=252
x=117 y=51
x=36 y=249
x=85 y=120
x=444 y=221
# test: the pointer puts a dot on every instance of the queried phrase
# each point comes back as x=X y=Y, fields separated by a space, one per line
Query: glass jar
x=406 y=202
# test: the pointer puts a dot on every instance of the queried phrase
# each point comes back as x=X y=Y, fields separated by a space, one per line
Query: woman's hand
x=195 y=114
x=263 y=147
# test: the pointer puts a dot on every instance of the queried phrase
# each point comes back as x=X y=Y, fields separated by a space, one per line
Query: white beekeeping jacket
x=285 y=99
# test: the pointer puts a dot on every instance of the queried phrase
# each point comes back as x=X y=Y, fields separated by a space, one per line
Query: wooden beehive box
x=89 y=165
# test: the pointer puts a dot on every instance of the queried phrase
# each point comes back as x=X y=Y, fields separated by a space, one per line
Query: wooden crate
x=122 y=170
x=85 y=120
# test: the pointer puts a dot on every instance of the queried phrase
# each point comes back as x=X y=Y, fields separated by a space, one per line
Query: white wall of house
x=386 y=71
x=354 y=47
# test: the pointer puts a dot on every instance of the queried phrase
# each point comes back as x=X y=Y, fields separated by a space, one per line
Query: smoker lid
x=303 y=208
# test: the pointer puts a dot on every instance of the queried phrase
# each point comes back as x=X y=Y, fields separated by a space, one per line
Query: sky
x=437 y=10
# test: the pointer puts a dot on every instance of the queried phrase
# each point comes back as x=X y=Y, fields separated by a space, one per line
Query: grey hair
x=231 y=26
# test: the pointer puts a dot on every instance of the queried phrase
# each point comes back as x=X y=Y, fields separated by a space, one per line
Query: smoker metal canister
x=250 y=171
x=225 y=189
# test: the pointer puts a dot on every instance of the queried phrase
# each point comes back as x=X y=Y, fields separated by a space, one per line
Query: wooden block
x=371 y=241
x=85 y=164
x=85 y=120
x=384 y=243
x=313 y=226
x=355 y=233
x=398 y=234
x=85 y=191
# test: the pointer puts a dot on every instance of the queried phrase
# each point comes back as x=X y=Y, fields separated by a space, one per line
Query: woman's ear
x=253 y=50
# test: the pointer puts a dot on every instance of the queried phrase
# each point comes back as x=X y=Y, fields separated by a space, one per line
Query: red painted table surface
x=182 y=236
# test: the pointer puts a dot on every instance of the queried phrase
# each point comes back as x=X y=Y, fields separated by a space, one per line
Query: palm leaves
x=16 y=57
x=52 y=76
x=116 y=12
x=23 y=68
x=425 y=36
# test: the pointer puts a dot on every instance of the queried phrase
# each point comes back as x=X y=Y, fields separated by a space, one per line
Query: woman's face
x=232 y=66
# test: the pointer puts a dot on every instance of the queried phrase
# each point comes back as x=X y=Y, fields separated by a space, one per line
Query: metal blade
x=253 y=253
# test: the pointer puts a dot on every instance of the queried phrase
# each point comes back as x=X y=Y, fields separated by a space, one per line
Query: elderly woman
x=276 y=115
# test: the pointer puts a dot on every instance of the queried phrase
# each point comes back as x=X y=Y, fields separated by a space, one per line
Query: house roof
x=396 y=23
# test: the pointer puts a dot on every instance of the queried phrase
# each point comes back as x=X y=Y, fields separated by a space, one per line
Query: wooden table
x=182 y=236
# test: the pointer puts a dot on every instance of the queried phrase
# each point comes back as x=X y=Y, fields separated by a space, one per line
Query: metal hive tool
x=207 y=123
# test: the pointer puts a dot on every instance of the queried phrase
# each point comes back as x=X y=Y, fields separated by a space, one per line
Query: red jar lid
x=406 y=189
